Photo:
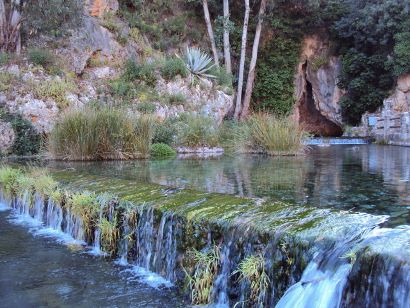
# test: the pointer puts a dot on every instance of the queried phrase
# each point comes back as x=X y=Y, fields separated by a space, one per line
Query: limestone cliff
x=316 y=92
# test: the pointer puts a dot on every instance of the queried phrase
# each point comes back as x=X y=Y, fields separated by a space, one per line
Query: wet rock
x=7 y=137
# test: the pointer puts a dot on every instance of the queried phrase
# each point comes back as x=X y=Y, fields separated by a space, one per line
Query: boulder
x=7 y=137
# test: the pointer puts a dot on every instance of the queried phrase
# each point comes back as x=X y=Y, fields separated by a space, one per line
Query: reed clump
x=265 y=133
x=206 y=264
x=99 y=134
x=252 y=270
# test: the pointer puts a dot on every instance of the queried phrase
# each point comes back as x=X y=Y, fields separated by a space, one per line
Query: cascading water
x=314 y=266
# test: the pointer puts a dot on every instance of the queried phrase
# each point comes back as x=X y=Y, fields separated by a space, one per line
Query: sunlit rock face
x=7 y=137
x=317 y=94
x=99 y=7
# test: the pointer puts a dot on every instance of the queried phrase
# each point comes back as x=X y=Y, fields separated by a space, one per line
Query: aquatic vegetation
x=206 y=264
x=162 y=150
x=109 y=235
x=266 y=133
x=252 y=269
x=85 y=206
x=103 y=133
x=8 y=180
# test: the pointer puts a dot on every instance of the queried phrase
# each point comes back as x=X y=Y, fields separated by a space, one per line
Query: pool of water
x=37 y=271
x=369 y=178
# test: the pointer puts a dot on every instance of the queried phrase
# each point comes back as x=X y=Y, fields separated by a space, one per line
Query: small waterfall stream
x=322 y=265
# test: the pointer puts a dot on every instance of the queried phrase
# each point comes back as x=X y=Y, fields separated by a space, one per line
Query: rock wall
x=316 y=92
x=391 y=123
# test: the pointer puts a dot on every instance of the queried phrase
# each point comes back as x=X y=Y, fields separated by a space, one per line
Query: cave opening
x=311 y=118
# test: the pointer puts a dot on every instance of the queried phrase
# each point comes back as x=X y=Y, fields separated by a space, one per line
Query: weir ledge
x=303 y=249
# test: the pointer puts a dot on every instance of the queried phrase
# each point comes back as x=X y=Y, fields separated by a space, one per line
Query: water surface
x=369 y=178
x=37 y=271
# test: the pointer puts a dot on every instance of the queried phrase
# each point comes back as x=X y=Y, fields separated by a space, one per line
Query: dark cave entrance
x=311 y=118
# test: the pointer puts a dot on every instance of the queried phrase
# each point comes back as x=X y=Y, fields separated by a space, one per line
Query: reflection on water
x=368 y=178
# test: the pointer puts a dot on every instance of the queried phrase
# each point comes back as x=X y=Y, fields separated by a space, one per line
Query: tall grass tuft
x=98 y=134
x=197 y=131
x=268 y=134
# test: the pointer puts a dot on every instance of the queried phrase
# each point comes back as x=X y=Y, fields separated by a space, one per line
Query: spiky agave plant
x=252 y=269
x=205 y=271
x=198 y=63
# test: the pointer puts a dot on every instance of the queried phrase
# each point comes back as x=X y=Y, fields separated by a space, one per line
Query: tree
x=210 y=31
x=254 y=58
x=238 y=105
x=227 y=45
x=10 y=23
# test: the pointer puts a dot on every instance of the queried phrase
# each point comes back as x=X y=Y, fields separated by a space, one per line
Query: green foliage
x=41 y=57
x=401 y=62
x=110 y=235
x=197 y=131
x=9 y=179
x=222 y=77
x=274 y=86
x=4 y=58
x=27 y=141
x=173 y=67
x=96 y=134
x=57 y=89
x=53 y=17
x=165 y=131
x=175 y=99
x=268 y=134
x=140 y=72
x=252 y=269
x=206 y=268
x=146 y=107
x=370 y=39
x=162 y=150
x=6 y=81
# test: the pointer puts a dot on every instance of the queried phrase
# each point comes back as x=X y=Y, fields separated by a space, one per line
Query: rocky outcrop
x=203 y=99
x=317 y=95
x=98 y=8
x=391 y=123
x=7 y=137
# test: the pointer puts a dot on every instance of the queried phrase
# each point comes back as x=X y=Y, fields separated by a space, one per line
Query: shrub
x=96 y=134
x=197 y=131
x=56 y=89
x=146 y=107
x=4 y=58
x=175 y=99
x=162 y=150
x=265 y=133
x=173 y=67
x=6 y=81
x=41 y=57
x=27 y=141
x=165 y=132
x=140 y=72
x=54 y=17
x=222 y=77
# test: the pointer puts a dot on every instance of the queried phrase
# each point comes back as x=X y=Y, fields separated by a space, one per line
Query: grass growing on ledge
x=98 y=134
x=268 y=134
x=9 y=179
x=252 y=269
x=206 y=269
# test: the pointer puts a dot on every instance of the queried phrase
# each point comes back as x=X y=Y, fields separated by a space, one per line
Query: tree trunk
x=2 y=24
x=252 y=66
x=242 y=61
x=210 y=31
x=227 y=44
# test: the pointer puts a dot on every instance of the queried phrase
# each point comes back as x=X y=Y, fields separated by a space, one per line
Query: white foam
x=4 y=207
x=142 y=275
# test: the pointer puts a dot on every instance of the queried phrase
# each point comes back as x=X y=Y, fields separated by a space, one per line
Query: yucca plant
x=198 y=63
